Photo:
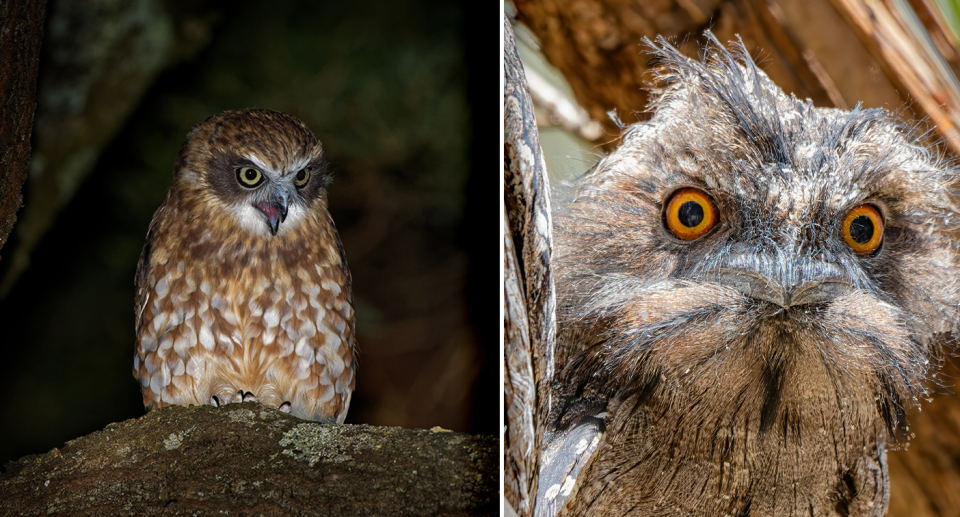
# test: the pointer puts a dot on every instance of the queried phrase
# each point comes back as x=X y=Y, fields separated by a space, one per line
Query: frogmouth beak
x=274 y=211
x=787 y=283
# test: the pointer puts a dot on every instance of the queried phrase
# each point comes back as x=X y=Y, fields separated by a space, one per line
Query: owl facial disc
x=274 y=211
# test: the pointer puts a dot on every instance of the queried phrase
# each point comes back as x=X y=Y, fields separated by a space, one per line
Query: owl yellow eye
x=249 y=177
x=691 y=214
x=863 y=229
x=302 y=178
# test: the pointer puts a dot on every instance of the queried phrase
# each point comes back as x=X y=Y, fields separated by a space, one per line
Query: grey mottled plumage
x=764 y=367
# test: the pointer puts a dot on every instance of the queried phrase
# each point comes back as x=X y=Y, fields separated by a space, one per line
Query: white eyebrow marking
x=292 y=168
x=298 y=164
x=258 y=162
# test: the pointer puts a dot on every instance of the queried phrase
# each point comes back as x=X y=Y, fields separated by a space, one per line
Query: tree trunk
x=21 y=33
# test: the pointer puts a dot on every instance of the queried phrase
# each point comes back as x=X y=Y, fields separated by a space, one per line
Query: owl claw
x=285 y=407
x=247 y=397
x=215 y=401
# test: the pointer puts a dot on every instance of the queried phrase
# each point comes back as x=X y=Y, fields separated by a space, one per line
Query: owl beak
x=275 y=211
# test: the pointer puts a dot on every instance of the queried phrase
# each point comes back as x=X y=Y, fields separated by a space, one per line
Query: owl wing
x=348 y=287
x=529 y=300
x=141 y=296
x=575 y=431
x=563 y=456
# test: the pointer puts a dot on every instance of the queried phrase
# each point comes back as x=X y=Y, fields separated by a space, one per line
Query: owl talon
x=247 y=397
x=285 y=407
x=215 y=401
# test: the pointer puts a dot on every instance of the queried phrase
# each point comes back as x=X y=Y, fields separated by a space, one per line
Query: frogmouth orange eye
x=863 y=229
x=691 y=213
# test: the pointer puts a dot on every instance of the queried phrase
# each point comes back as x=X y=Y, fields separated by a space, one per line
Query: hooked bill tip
x=273 y=215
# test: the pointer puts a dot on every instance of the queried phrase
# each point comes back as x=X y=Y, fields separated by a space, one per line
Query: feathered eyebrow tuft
x=765 y=126
x=258 y=162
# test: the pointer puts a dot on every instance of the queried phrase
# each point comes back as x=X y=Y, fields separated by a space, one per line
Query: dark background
x=390 y=88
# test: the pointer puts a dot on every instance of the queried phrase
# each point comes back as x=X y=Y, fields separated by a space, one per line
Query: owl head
x=763 y=256
x=260 y=171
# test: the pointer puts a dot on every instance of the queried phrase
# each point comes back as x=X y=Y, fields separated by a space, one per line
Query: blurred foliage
x=384 y=86
x=950 y=10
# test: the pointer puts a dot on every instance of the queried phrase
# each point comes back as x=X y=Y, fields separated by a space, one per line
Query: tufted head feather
x=646 y=311
x=274 y=148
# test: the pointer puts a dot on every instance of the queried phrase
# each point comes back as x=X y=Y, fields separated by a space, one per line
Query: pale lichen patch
x=314 y=443
x=244 y=416
x=267 y=415
x=176 y=439
x=173 y=441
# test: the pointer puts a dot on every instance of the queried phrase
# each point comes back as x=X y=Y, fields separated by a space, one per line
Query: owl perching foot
x=217 y=402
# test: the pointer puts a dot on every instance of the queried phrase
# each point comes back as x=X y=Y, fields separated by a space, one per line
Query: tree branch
x=249 y=459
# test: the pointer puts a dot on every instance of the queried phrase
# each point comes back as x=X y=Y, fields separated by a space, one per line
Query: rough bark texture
x=21 y=33
x=246 y=459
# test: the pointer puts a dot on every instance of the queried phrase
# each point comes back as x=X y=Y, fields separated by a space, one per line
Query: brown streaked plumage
x=760 y=364
x=243 y=289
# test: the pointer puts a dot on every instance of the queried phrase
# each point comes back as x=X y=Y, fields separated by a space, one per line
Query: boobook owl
x=243 y=291
x=751 y=291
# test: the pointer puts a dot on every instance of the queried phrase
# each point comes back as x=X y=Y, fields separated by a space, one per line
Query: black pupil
x=302 y=175
x=691 y=213
x=250 y=174
x=861 y=229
